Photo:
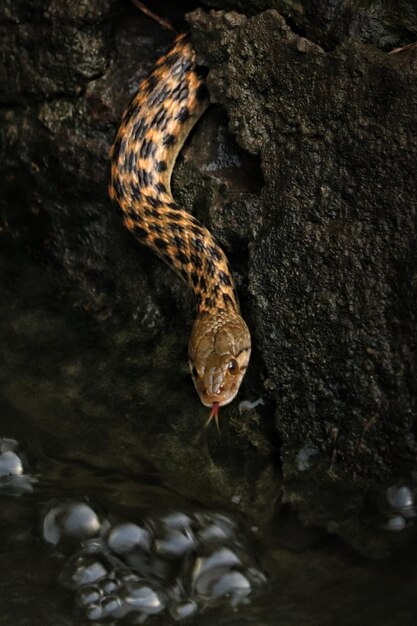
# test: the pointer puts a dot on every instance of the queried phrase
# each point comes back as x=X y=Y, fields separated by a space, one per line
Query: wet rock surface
x=382 y=23
x=332 y=272
x=95 y=393
x=321 y=237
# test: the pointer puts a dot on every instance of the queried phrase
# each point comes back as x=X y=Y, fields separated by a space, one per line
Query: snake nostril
x=221 y=389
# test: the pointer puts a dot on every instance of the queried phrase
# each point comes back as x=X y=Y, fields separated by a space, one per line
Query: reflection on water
x=86 y=534
x=175 y=562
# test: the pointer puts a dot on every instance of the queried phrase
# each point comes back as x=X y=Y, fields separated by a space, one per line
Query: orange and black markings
x=154 y=127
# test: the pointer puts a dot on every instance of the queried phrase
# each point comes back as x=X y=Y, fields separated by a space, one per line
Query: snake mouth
x=211 y=399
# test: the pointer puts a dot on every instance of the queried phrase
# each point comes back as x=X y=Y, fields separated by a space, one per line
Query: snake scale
x=154 y=127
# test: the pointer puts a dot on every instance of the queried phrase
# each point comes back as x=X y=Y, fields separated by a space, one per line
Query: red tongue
x=214 y=415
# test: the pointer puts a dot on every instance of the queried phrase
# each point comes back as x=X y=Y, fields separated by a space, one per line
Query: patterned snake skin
x=153 y=130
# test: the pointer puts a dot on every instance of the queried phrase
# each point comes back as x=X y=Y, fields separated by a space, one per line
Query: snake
x=154 y=127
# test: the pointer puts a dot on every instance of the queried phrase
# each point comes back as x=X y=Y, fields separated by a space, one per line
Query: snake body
x=154 y=127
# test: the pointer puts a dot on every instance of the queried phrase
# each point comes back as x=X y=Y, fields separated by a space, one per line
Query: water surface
x=78 y=439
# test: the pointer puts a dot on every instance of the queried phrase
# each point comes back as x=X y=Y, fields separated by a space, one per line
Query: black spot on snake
x=224 y=279
x=139 y=129
x=214 y=253
x=152 y=213
x=196 y=261
x=161 y=166
x=160 y=243
x=169 y=140
x=177 y=241
x=145 y=178
x=140 y=232
x=148 y=149
x=183 y=115
x=198 y=244
x=154 y=202
x=156 y=228
x=160 y=187
x=151 y=83
x=182 y=258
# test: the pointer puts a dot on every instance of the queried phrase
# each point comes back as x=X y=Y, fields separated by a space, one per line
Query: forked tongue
x=214 y=414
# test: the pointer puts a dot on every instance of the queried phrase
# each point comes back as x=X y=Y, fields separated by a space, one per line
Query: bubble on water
x=184 y=610
x=80 y=521
x=214 y=533
x=88 y=594
x=108 y=584
x=207 y=570
x=94 y=612
x=400 y=497
x=246 y=405
x=304 y=457
x=17 y=485
x=224 y=557
x=7 y=444
x=221 y=522
x=233 y=584
x=396 y=523
x=127 y=576
x=177 y=521
x=10 y=464
x=13 y=481
x=94 y=545
x=255 y=575
x=75 y=520
x=89 y=573
x=175 y=544
x=125 y=537
x=50 y=529
x=142 y=597
x=83 y=570
x=193 y=562
x=112 y=605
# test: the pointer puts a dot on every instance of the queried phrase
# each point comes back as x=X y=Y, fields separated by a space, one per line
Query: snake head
x=219 y=351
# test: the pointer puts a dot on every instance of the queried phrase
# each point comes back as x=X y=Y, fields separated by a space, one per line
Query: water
x=79 y=441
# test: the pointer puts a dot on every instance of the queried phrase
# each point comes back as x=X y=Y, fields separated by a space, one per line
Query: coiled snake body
x=152 y=132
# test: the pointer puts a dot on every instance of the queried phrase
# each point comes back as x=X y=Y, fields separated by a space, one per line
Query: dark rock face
x=321 y=237
x=332 y=273
x=383 y=23
x=69 y=71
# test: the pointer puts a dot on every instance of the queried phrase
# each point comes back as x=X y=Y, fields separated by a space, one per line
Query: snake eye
x=194 y=372
x=233 y=366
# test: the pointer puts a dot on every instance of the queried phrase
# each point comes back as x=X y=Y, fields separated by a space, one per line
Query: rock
x=329 y=22
x=313 y=200
x=332 y=272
